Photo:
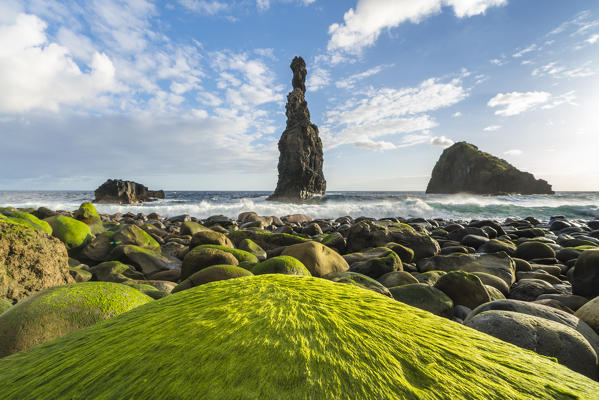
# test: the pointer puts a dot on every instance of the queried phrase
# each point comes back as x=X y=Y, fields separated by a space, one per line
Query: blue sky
x=190 y=94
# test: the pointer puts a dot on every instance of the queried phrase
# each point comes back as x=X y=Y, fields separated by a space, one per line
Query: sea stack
x=116 y=191
x=300 y=161
x=463 y=168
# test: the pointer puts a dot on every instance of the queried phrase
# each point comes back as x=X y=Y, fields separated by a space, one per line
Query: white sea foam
x=335 y=204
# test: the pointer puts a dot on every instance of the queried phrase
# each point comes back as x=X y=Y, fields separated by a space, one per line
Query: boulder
x=530 y=289
x=463 y=288
x=375 y=262
x=359 y=280
x=210 y=237
x=202 y=258
x=541 y=311
x=115 y=271
x=319 y=259
x=246 y=259
x=281 y=265
x=212 y=274
x=73 y=233
x=589 y=313
x=300 y=147
x=497 y=264
x=424 y=297
x=25 y=219
x=30 y=261
x=57 y=311
x=125 y=192
x=533 y=249
x=231 y=343
x=88 y=214
x=585 y=279
x=266 y=240
x=133 y=234
x=366 y=234
x=542 y=336
x=397 y=278
x=144 y=260
x=252 y=247
x=462 y=168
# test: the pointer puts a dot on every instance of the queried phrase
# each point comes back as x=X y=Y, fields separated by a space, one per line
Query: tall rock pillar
x=300 y=161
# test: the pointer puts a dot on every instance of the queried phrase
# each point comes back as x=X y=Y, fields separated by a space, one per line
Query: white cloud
x=369 y=144
x=515 y=103
x=318 y=78
x=209 y=7
x=558 y=71
x=492 y=128
x=350 y=81
x=457 y=114
x=377 y=113
x=566 y=98
x=265 y=4
x=498 y=61
x=441 y=141
x=593 y=39
x=362 y=26
x=513 y=152
x=36 y=74
x=524 y=51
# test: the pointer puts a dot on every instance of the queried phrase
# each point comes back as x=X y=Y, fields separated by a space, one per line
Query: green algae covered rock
x=88 y=214
x=281 y=265
x=73 y=233
x=359 y=280
x=319 y=259
x=425 y=297
x=26 y=219
x=285 y=337
x=212 y=274
x=266 y=240
x=134 y=235
x=245 y=258
x=252 y=247
x=30 y=261
x=4 y=305
x=57 y=311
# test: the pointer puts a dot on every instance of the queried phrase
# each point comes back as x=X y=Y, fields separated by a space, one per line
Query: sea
x=459 y=207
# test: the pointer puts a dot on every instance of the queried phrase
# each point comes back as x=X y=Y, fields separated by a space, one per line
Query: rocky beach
x=489 y=309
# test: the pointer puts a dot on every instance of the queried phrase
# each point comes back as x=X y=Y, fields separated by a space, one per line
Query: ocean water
x=202 y=204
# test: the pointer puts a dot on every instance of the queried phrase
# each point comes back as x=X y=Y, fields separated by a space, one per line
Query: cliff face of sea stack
x=300 y=147
x=463 y=168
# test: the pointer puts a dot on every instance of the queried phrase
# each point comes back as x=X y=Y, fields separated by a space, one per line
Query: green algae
x=88 y=214
x=62 y=309
x=27 y=219
x=284 y=337
x=73 y=233
x=281 y=265
x=245 y=258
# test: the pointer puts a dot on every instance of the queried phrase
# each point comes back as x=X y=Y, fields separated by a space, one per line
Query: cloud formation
x=363 y=25
x=441 y=141
x=386 y=112
x=492 y=128
x=38 y=75
x=515 y=103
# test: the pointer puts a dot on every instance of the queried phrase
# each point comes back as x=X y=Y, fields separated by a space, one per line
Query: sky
x=190 y=94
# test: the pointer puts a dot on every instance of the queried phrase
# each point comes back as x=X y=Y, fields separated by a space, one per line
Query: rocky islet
x=537 y=279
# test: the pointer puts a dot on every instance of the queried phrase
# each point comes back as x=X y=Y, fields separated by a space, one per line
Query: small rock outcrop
x=463 y=168
x=125 y=192
x=300 y=161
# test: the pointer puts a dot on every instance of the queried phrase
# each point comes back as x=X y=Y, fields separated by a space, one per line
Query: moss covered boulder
x=464 y=288
x=397 y=278
x=30 y=261
x=114 y=271
x=212 y=274
x=425 y=297
x=209 y=236
x=144 y=260
x=26 y=219
x=533 y=249
x=319 y=259
x=57 y=311
x=73 y=233
x=201 y=258
x=375 y=262
x=88 y=214
x=266 y=240
x=134 y=235
x=245 y=258
x=281 y=265
x=252 y=247
x=359 y=280
x=288 y=337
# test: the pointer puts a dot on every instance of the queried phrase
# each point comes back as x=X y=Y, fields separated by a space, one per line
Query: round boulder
x=585 y=279
x=281 y=265
x=545 y=337
x=319 y=259
x=212 y=274
x=57 y=311
x=463 y=288
x=425 y=297
x=199 y=259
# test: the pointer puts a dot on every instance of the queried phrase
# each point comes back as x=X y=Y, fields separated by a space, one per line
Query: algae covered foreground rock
x=300 y=161
x=63 y=309
x=30 y=261
x=464 y=168
x=287 y=337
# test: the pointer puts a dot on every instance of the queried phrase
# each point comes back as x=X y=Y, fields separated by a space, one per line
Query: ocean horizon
x=334 y=204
